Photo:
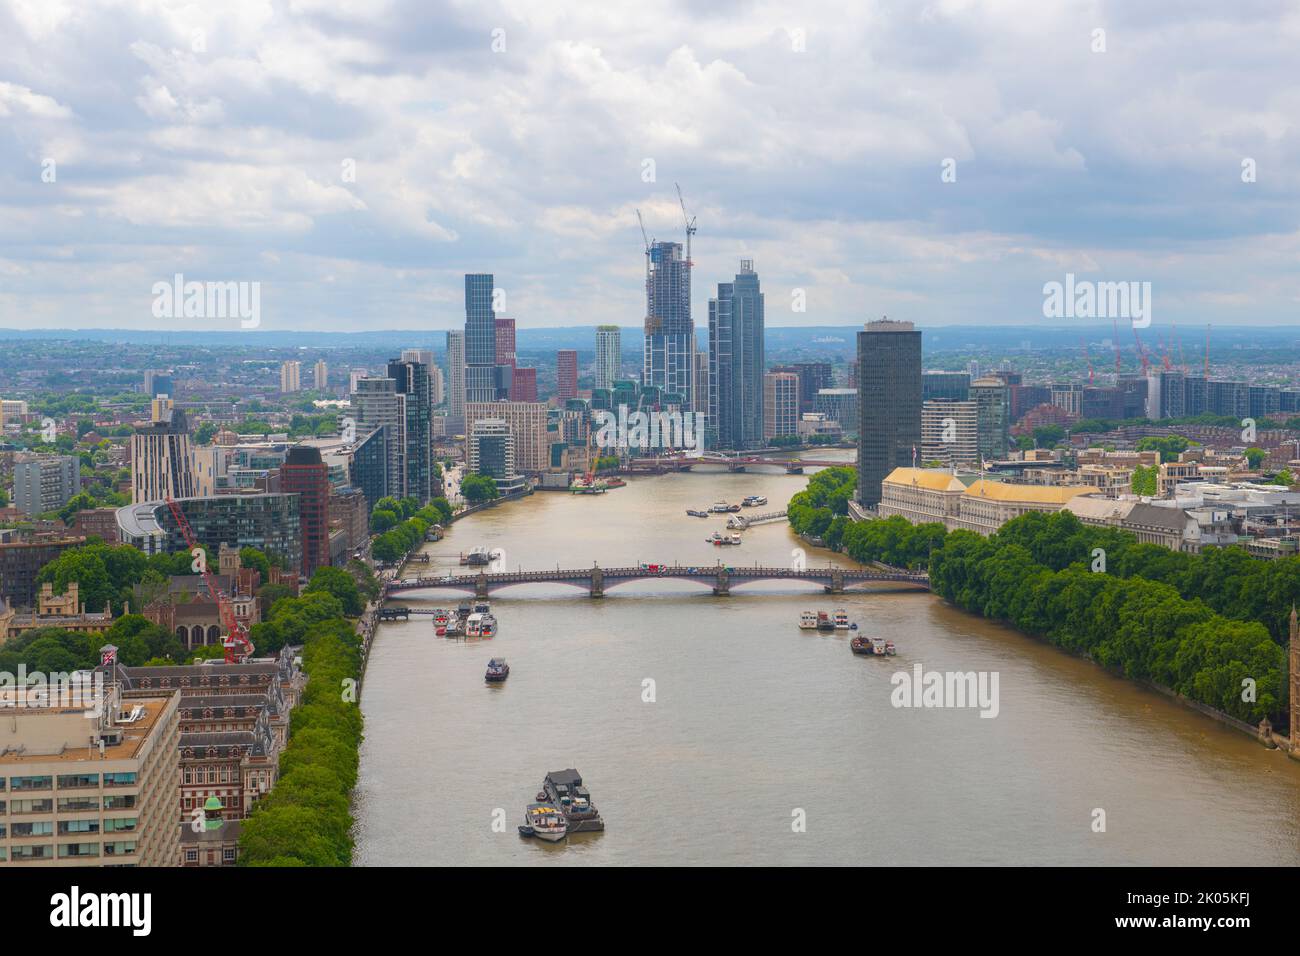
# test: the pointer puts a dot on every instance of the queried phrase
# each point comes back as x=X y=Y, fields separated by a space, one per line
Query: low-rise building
x=64 y=611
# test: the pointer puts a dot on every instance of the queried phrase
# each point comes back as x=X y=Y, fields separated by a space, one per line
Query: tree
x=479 y=488
x=1255 y=457
x=339 y=583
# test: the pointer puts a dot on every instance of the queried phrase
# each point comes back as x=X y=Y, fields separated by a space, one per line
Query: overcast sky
x=213 y=140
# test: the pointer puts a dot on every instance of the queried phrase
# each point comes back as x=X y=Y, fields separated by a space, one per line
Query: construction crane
x=1142 y=353
x=238 y=647
x=1164 y=353
x=1182 y=361
x=1115 y=342
x=690 y=227
x=1084 y=345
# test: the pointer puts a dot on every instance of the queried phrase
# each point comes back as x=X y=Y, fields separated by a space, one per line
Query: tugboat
x=564 y=787
x=544 y=821
x=497 y=670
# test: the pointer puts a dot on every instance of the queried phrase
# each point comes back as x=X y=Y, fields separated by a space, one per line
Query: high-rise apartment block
x=566 y=374
x=736 y=360
x=609 y=354
x=45 y=483
x=162 y=464
x=669 y=332
x=780 y=405
x=291 y=376
x=889 y=403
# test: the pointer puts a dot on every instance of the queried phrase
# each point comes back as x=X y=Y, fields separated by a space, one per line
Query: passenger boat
x=808 y=621
x=824 y=622
x=440 y=620
x=487 y=626
x=718 y=539
x=477 y=557
x=841 y=619
x=474 y=625
x=753 y=501
x=719 y=508
x=544 y=821
x=564 y=787
x=497 y=670
x=697 y=514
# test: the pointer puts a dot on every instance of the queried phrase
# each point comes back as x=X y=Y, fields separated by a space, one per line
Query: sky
x=938 y=162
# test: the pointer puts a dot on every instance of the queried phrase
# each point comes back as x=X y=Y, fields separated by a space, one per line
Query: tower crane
x=1083 y=345
x=238 y=647
x=1115 y=342
x=690 y=227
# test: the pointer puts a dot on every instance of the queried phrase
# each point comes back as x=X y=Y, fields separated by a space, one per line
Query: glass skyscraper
x=736 y=360
x=669 y=331
x=480 y=339
x=889 y=403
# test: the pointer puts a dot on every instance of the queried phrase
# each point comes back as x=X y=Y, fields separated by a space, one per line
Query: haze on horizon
x=512 y=138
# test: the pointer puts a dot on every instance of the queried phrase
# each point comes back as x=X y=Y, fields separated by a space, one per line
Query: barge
x=564 y=788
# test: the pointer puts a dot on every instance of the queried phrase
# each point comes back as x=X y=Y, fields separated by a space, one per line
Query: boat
x=719 y=508
x=482 y=607
x=476 y=557
x=824 y=622
x=545 y=821
x=753 y=501
x=564 y=787
x=719 y=538
x=872 y=647
x=497 y=670
x=808 y=621
x=474 y=625
x=441 y=618
x=487 y=626
x=841 y=619
x=697 y=514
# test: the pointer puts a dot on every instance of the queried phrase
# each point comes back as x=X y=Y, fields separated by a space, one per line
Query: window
x=228 y=854
x=78 y=849
x=31 y=806
x=79 y=826
x=124 y=802
x=32 y=783
x=188 y=775
x=119 y=825
x=191 y=856
x=120 y=848
x=74 y=804
x=37 y=852
x=44 y=828
x=119 y=779
x=72 y=781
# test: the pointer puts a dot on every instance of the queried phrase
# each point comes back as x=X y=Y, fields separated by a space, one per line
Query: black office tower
x=889 y=403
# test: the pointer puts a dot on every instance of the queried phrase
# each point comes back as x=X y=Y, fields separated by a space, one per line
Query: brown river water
x=766 y=744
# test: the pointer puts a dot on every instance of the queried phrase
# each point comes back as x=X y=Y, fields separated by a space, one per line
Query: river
x=765 y=744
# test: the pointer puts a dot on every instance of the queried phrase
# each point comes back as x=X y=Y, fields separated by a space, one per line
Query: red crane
x=1115 y=342
x=1142 y=353
x=1083 y=345
x=238 y=647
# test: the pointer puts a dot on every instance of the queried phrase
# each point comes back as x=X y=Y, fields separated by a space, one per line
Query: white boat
x=474 y=625
x=718 y=538
x=546 y=822
x=808 y=621
x=753 y=501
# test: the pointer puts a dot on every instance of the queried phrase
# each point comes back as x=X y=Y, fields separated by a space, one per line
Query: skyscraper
x=412 y=380
x=377 y=404
x=992 y=397
x=566 y=374
x=305 y=474
x=669 y=331
x=455 y=383
x=523 y=387
x=736 y=362
x=889 y=403
x=480 y=339
x=291 y=376
x=505 y=341
x=609 y=354
x=162 y=463
x=321 y=376
x=780 y=405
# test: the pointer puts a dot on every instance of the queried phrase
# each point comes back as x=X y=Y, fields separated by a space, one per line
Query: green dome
x=213 y=803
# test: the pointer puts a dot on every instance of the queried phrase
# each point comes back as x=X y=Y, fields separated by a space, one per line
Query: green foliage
x=1170 y=446
x=1255 y=457
x=812 y=510
x=479 y=488
x=1145 y=480
x=306 y=819
x=339 y=583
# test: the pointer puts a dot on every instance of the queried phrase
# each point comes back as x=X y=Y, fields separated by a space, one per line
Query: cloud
x=382 y=149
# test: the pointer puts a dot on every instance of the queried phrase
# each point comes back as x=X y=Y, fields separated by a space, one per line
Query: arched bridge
x=720 y=578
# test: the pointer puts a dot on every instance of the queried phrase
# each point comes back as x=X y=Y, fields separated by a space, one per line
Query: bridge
x=681 y=462
x=720 y=578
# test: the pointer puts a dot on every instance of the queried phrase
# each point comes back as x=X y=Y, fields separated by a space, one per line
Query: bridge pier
x=597 y=583
x=480 y=587
x=837 y=583
x=723 y=587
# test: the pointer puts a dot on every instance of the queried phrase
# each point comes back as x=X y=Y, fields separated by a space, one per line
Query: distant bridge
x=720 y=578
x=664 y=463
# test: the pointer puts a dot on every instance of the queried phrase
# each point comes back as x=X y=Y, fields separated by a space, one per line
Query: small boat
x=697 y=514
x=719 y=508
x=841 y=619
x=474 y=625
x=487 y=626
x=527 y=831
x=718 y=538
x=546 y=821
x=497 y=670
x=753 y=501
x=808 y=621
x=482 y=607
x=477 y=557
